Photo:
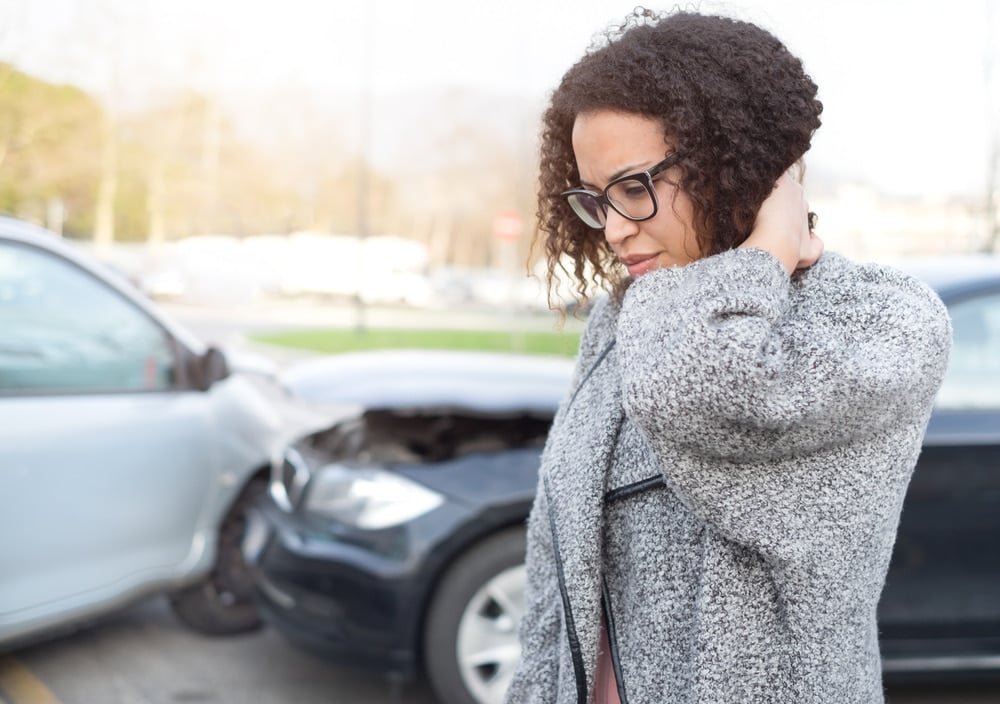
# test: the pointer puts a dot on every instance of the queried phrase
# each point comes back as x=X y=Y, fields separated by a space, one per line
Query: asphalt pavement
x=143 y=655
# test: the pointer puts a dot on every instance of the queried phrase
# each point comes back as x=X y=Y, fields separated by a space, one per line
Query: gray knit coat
x=724 y=481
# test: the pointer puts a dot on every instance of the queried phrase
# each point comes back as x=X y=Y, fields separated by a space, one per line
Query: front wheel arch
x=493 y=562
x=221 y=602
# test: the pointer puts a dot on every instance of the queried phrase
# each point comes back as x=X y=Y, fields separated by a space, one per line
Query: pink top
x=605 y=685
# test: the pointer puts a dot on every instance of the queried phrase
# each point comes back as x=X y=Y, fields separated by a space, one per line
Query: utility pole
x=211 y=146
x=992 y=85
x=107 y=190
x=364 y=149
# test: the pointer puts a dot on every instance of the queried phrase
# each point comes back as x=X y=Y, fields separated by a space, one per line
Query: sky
x=907 y=98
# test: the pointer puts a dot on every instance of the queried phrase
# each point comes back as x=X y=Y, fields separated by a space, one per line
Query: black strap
x=623 y=492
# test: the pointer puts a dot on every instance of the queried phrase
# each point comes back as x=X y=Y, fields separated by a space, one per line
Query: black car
x=396 y=540
x=940 y=609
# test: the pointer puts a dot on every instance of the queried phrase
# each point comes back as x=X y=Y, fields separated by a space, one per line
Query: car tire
x=222 y=603
x=471 y=633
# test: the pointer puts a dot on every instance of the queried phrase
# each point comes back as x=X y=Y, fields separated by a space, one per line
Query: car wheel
x=471 y=635
x=222 y=603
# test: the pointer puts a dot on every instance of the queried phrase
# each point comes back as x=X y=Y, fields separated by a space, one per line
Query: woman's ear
x=798 y=170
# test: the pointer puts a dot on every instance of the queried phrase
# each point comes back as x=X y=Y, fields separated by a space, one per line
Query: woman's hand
x=782 y=226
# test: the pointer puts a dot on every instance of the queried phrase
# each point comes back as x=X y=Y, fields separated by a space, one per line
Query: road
x=228 y=326
x=142 y=655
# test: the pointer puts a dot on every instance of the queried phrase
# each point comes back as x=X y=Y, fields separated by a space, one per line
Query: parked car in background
x=395 y=539
x=129 y=449
x=940 y=609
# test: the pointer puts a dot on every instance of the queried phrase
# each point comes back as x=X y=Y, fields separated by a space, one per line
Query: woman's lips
x=640 y=264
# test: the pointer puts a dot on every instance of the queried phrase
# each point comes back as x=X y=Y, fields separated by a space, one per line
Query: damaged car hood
x=475 y=381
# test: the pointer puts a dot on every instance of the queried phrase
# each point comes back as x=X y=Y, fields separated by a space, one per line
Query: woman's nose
x=617 y=227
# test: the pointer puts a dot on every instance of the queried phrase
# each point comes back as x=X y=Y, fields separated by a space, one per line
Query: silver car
x=128 y=449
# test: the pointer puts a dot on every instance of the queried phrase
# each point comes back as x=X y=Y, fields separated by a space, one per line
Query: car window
x=64 y=330
x=973 y=377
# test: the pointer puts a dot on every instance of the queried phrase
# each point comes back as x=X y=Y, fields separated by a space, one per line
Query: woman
x=719 y=495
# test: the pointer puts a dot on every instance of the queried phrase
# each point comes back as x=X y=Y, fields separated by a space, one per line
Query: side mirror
x=209 y=368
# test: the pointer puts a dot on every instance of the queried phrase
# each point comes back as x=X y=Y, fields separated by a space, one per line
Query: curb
x=19 y=685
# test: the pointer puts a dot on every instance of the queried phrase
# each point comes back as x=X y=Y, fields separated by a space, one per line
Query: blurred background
x=301 y=177
x=384 y=150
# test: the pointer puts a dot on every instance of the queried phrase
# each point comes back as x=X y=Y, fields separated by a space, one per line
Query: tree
x=49 y=134
x=467 y=172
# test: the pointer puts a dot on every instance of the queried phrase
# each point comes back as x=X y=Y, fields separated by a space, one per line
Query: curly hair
x=734 y=103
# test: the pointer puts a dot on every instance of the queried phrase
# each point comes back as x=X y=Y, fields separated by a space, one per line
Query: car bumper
x=356 y=596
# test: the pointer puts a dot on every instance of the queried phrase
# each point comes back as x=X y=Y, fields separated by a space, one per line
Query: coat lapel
x=575 y=468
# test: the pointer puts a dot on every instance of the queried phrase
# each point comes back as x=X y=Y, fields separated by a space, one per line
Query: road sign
x=507 y=225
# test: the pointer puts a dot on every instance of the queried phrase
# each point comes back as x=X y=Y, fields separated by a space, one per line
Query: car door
x=106 y=460
x=943 y=585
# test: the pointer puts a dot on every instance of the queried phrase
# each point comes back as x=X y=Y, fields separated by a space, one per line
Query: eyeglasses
x=632 y=196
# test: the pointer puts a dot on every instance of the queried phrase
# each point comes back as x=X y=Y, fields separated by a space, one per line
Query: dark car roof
x=478 y=381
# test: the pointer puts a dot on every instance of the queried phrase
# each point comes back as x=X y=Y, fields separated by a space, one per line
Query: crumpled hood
x=480 y=381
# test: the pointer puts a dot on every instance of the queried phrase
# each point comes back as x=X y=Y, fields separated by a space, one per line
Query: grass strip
x=331 y=341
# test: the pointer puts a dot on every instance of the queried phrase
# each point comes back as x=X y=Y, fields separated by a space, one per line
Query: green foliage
x=341 y=340
x=49 y=146
x=182 y=166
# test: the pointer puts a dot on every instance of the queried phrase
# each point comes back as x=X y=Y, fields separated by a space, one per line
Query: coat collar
x=575 y=471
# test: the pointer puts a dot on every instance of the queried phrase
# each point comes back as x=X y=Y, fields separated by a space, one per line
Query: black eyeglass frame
x=643 y=177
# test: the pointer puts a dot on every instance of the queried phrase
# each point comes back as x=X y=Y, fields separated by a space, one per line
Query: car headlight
x=368 y=498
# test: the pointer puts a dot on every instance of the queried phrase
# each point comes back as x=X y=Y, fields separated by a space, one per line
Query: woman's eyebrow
x=625 y=170
x=617 y=174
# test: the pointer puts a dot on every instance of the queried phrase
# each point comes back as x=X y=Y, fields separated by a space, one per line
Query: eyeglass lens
x=588 y=208
x=630 y=197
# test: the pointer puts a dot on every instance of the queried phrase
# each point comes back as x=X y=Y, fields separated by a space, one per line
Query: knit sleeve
x=726 y=358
